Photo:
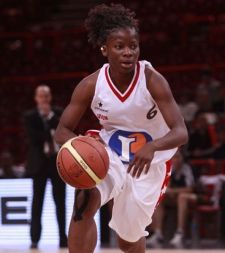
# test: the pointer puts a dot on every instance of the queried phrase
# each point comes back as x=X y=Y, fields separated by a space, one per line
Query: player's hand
x=94 y=134
x=142 y=160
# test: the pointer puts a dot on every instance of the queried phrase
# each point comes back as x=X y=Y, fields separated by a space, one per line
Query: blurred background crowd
x=44 y=41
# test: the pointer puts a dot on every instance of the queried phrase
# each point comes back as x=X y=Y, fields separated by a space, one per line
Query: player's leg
x=156 y=239
x=132 y=247
x=157 y=221
x=83 y=232
x=39 y=184
x=137 y=201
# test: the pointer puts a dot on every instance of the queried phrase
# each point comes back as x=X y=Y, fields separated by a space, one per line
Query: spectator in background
x=181 y=182
x=200 y=143
x=40 y=124
x=188 y=108
x=203 y=100
x=8 y=169
x=205 y=105
x=202 y=195
x=209 y=84
x=218 y=151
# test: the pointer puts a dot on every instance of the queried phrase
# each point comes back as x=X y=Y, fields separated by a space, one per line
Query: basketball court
x=107 y=251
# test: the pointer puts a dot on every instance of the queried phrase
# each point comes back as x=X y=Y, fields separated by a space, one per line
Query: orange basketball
x=82 y=162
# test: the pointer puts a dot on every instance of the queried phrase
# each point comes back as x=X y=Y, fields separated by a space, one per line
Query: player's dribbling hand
x=142 y=161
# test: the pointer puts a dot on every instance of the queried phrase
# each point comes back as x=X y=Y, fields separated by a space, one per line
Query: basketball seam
x=81 y=166
x=66 y=171
x=96 y=150
x=85 y=162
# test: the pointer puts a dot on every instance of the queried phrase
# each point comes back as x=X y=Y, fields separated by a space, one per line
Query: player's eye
x=118 y=46
x=133 y=47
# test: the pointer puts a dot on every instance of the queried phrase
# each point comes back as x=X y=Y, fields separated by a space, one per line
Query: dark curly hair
x=103 y=19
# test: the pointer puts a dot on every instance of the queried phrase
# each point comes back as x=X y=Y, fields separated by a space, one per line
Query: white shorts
x=134 y=199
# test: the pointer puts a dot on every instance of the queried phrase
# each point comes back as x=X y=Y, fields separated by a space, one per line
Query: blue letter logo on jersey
x=126 y=144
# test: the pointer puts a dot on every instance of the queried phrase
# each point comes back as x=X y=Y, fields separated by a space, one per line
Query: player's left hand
x=94 y=134
x=142 y=160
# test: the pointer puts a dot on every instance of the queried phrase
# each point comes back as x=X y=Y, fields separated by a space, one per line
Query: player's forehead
x=124 y=34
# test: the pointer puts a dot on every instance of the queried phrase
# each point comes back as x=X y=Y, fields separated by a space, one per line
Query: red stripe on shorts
x=165 y=182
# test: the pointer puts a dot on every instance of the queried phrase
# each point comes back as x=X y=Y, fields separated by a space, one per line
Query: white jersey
x=129 y=119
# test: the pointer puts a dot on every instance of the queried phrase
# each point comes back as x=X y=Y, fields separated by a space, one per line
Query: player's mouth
x=127 y=64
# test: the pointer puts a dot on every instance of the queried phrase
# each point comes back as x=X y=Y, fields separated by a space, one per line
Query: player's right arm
x=80 y=101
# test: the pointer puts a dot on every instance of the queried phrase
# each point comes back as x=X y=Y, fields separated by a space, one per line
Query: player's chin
x=127 y=67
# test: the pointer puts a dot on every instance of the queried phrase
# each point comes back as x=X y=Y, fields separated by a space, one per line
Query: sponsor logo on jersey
x=126 y=144
x=101 y=111
x=100 y=107
x=101 y=116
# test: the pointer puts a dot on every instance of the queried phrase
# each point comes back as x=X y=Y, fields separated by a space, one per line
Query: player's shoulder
x=152 y=75
x=90 y=80
x=156 y=82
x=86 y=88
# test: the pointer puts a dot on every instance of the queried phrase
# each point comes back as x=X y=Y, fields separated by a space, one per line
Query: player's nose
x=127 y=51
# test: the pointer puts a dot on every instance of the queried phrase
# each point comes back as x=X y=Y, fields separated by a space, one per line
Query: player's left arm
x=177 y=136
x=161 y=93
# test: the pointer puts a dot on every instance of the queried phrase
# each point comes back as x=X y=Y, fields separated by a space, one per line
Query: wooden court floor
x=5 y=250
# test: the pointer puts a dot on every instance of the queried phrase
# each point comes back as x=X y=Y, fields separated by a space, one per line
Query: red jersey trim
x=126 y=94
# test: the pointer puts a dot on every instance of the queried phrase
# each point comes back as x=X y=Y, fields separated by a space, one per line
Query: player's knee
x=87 y=202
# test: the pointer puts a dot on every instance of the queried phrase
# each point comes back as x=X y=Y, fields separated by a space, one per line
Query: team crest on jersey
x=126 y=144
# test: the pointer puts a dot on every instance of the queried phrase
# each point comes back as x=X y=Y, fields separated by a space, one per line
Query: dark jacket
x=38 y=134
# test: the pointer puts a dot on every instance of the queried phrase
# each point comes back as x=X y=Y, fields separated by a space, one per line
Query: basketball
x=82 y=162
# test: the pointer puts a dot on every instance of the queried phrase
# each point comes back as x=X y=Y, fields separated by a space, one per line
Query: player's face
x=122 y=49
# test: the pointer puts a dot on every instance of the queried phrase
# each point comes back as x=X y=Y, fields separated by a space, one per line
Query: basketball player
x=141 y=128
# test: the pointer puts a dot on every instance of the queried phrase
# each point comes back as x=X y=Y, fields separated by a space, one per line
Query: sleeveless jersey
x=131 y=119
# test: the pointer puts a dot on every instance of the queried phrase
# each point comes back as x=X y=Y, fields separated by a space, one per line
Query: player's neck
x=121 y=80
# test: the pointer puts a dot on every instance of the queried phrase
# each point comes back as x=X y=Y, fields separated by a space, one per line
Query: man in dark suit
x=40 y=124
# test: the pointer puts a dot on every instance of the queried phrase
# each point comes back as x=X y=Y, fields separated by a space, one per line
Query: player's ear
x=104 y=50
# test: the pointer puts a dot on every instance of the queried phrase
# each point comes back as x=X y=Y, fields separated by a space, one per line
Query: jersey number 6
x=152 y=112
